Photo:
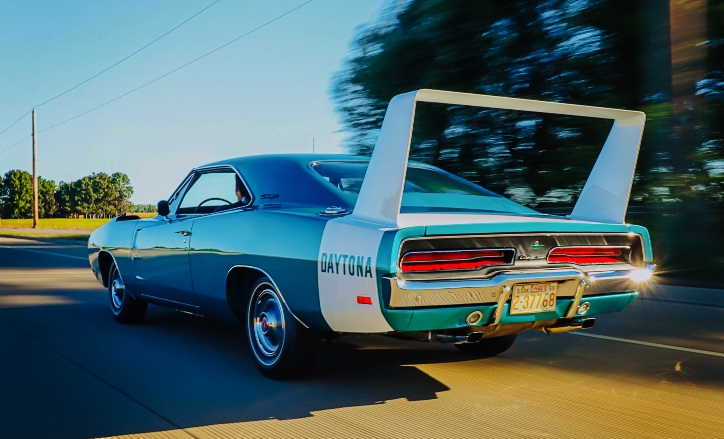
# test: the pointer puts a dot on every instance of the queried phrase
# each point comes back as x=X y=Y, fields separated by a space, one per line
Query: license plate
x=531 y=298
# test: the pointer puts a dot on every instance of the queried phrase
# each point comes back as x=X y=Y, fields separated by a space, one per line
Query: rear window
x=427 y=189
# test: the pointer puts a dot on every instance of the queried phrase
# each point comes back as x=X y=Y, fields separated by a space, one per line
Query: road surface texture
x=67 y=370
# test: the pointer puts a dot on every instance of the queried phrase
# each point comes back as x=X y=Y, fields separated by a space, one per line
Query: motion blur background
x=309 y=81
x=665 y=58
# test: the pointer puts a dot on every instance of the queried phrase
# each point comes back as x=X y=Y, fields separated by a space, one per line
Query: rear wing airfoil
x=604 y=197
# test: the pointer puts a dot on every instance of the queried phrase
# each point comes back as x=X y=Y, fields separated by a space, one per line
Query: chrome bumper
x=571 y=283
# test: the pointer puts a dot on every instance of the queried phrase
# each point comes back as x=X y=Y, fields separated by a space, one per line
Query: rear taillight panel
x=587 y=255
x=455 y=260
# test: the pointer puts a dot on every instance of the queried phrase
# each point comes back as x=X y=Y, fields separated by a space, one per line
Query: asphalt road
x=68 y=370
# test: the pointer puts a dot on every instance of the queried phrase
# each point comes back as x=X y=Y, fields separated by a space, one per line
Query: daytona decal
x=351 y=265
x=347 y=269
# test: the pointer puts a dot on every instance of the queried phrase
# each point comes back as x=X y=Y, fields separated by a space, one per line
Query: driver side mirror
x=162 y=208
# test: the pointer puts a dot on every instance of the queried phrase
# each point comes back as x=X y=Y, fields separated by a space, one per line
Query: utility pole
x=35 y=174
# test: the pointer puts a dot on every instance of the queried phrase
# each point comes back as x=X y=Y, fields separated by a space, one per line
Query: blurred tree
x=122 y=192
x=143 y=208
x=593 y=52
x=95 y=195
x=65 y=198
x=711 y=87
x=16 y=194
x=84 y=197
x=47 y=206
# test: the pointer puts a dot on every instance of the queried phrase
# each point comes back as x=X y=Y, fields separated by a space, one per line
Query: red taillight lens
x=454 y=260
x=587 y=255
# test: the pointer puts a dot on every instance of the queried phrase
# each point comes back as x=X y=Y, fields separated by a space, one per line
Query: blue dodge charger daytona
x=298 y=246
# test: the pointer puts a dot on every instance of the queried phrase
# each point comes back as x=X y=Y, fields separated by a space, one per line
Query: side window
x=213 y=191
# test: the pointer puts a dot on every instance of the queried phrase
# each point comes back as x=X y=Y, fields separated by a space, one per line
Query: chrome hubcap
x=268 y=323
x=117 y=292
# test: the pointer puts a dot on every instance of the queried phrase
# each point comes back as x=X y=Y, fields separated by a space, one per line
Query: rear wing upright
x=604 y=197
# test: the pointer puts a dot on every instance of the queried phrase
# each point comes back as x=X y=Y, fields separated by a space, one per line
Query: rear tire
x=488 y=347
x=282 y=348
x=124 y=307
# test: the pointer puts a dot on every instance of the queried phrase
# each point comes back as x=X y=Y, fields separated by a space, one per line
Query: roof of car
x=302 y=159
x=288 y=178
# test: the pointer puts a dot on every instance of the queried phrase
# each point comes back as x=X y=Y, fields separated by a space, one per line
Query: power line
x=13 y=124
x=177 y=68
x=111 y=66
x=16 y=143
x=137 y=51
x=168 y=73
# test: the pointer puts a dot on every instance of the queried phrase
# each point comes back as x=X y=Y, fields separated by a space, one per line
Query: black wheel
x=488 y=347
x=281 y=346
x=124 y=307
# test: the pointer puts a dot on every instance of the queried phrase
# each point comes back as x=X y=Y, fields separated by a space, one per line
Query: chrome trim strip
x=205 y=170
x=169 y=301
x=498 y=280
x=505 y=235
x=275 y=286
x=607 y=275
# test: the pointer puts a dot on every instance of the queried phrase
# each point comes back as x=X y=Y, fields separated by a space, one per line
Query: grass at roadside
x=54 y=223
x=60 y=223
x=65 y=236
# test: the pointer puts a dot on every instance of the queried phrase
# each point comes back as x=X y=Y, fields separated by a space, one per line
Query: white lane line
x=44 y=252
x=653 y=345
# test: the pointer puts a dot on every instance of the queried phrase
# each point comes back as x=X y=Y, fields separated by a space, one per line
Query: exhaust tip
x=475 y=337
x=588 y=323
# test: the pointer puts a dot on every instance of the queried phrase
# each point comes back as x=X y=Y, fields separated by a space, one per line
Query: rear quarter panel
x=284 y=245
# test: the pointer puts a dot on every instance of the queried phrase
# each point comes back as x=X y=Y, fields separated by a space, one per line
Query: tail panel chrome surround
x=531 y=250
x=574 y=284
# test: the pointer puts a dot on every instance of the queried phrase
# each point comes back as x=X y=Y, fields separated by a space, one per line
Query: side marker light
x=364 y=300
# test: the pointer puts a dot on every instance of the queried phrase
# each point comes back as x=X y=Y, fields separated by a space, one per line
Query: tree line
x=98 y=195
x=611 y=53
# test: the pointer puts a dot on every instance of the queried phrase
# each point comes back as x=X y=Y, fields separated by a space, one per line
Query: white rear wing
x=604 y=197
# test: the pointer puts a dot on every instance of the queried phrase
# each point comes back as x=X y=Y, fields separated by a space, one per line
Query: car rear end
x=508 y=274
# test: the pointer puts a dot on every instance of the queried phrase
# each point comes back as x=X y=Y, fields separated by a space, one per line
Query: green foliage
x=143 y=208
x=16 y=194
x=611 y=53
x=47 y=206
x=97 y=195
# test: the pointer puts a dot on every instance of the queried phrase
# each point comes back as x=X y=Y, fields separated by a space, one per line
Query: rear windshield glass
x=427 y=189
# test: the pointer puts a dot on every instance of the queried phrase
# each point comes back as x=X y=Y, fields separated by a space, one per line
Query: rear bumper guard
x=575 y=284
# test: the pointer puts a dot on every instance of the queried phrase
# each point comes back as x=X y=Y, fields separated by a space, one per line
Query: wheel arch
x=239 y=282
x=105 y=261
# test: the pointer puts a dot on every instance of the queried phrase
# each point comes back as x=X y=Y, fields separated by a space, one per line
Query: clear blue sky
x=266 y=93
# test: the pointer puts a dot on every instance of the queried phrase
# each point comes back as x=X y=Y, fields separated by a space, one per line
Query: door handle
x=183 y=232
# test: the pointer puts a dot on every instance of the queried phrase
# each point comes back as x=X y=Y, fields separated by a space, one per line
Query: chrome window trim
x=207 y=170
